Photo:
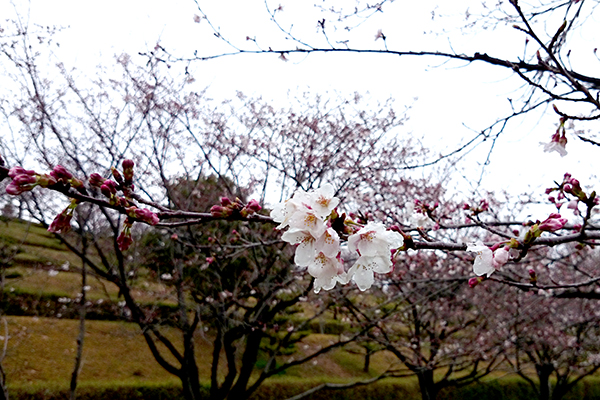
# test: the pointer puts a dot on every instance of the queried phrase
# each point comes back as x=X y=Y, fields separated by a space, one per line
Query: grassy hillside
x=43 y=350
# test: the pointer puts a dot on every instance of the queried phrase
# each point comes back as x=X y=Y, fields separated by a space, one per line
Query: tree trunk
x=252 y=347
x=544 y=371
x=367 y=362
x=189 y=370
x=190 y=384
x=429 y=390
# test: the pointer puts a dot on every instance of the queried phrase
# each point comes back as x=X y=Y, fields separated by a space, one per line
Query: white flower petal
x=483 y=264
x=363 y=277
x=329 y=243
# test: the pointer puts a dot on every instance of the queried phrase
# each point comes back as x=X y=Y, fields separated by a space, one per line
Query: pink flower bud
x=553 y=223
x=474 y=281
x=60 y=173
x=108 y=188
x=484 y=205
x=573 y=204
x=221 y=212
x=117 y=175
x=395 y=228
x=253 y=205
x=62 y=222
x=225 y=201
x=96 y=180
x=125 y=240
x=250 y=208
x=532 y=276
x=574 y=182
x=14 y=171
x=21 y=183
x=128 y=171
x=143 y=214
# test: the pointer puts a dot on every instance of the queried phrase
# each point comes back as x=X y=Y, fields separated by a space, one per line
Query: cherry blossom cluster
x=318 y=230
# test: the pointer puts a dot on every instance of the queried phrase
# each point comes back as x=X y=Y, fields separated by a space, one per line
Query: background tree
x=544 y=330
x=433 y=325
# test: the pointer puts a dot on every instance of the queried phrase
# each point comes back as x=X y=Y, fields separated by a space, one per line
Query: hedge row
x=25 y=304
x=505 y=389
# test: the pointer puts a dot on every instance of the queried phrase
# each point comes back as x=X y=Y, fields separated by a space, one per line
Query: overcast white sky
x=452 y=97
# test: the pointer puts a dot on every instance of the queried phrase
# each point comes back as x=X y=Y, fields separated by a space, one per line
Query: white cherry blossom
x=374 y=244
x=327 y=271
x=362 y=272
x=283 y=212
x=373 y=240
x=322 y=200
x=309 y=246
x=306 y=220
x=483 y=264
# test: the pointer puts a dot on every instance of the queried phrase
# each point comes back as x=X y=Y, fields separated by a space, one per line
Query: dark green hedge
x=98 y=392
x=22 y=303
x=504 y=389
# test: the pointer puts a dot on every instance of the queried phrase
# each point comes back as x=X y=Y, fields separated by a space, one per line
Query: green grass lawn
x=43 y=350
